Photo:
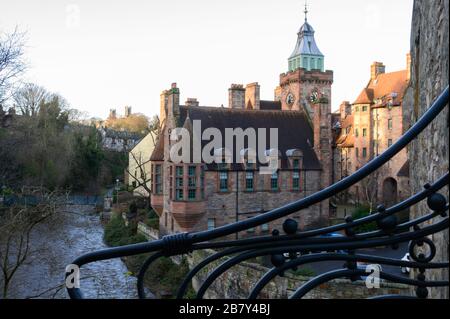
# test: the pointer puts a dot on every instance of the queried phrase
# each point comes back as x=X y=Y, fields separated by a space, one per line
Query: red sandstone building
x=316 y=147
x=191 y=197
x=366 y=128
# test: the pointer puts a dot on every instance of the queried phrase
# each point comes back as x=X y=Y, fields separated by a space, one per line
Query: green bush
x=361 y=212
x=117 y=234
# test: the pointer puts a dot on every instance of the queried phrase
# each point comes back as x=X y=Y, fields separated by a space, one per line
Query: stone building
x=192 y=196
x=118 y=141
x=366 y=128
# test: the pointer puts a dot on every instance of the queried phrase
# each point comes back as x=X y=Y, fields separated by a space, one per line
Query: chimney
x=236 y=96
x=376 y=69
x=408 y=67
x=127 y=111
x=191 y=102
x=345 y=109
x=252 y=96
x=278 y=92
x=173 y=101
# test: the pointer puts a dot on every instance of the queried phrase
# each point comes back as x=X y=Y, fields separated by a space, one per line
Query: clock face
x=314 y=97
x=290 y=99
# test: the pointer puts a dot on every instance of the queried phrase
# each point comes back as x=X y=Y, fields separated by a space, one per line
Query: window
x=347 y=130
x=192 y=182
x=364 y=152
x=357 y=152
x=296 y=164
x=249 y=181
x=390 y=124
x=296 y=181
x=265 y=228
x=364 y=108
x=313 y=63
x=274 y=182
x=364 y=132
x=211 y=223
x=223 y=181
x=305 y=63
x=179 y=183
x=390 y=142
x=357 y=109
x=158 y=179
x=320 y=64
x=356 y=132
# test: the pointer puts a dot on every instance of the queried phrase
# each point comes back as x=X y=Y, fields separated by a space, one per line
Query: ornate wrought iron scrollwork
x=294 y=248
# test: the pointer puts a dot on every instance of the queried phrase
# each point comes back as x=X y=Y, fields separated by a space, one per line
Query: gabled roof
x=346 y=140
x=366 y=97
x=158 y=152
x=386 y=88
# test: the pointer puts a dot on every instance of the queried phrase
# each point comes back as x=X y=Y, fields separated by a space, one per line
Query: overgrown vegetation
x=163 y=277
x=118 y=234
x=152 y=219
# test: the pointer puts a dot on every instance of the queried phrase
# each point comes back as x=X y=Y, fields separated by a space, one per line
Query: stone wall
x=430 y=71
x=238 y=282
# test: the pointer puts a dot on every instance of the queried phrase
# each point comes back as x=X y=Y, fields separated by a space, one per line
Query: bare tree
x=12 y=63
x=369 y=188
x=141 y=176
x=31 y=207
x=29 y=98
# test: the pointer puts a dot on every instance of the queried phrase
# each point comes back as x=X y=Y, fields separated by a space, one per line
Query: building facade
x=366 y=128
x=193 y=196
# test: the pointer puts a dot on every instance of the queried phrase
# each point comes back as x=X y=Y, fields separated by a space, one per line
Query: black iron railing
x=296 y=248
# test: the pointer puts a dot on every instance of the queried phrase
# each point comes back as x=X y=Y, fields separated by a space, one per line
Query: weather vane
x=306 y=11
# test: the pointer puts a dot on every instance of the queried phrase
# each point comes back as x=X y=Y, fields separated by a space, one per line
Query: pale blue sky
x=106 y=54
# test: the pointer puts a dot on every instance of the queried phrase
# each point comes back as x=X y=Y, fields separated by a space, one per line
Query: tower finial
x=306 y=11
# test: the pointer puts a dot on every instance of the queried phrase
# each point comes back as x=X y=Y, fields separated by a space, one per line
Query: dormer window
x=248 y=157
x=222 y=158
x=295 y=157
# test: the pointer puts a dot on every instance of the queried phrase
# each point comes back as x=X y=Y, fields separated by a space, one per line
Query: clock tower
x=306 y=87
x=306 y=79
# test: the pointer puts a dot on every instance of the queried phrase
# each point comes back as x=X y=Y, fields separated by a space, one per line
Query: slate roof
x=270 y=105
x=306 y=44
x=294 y=130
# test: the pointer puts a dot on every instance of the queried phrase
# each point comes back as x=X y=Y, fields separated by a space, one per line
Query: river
x=55 y=244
